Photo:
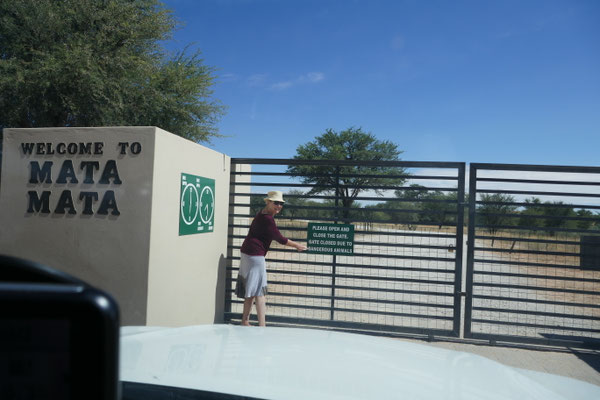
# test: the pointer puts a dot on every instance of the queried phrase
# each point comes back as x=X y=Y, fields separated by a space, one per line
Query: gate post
x=470 y=249
x=458 y=265
x=334 y=261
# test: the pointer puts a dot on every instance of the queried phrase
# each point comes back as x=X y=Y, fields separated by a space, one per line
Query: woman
x=252 y=277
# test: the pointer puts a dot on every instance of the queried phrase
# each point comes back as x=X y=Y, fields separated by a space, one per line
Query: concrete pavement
x=581 y=365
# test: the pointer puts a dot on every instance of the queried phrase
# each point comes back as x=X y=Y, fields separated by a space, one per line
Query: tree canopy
x=100 y=63
x=347 y=181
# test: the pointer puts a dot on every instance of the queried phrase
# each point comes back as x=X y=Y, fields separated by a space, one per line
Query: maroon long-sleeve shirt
x=262 y=231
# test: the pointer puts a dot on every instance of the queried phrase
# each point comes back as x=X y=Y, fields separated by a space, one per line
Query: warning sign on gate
x=196 y=205
x=336 y=239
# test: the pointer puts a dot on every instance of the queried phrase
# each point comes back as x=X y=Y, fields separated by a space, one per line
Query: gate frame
x=457 y=294
x=590 y=343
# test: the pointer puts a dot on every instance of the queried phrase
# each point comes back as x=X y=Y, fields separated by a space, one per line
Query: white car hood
x=292 y=363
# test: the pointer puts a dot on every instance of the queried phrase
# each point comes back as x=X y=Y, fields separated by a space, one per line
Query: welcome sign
x=77 y=167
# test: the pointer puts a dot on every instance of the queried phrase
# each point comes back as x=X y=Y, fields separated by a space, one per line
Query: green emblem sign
x=336 y=239
x=196 y=205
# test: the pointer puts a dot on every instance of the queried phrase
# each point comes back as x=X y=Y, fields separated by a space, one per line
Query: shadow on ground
x=593 y=360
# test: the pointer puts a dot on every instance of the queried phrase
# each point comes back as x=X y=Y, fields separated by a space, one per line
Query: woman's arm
x=274 y=233
x=296 y=245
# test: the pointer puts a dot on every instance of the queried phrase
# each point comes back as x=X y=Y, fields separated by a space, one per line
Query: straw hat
x=275 y=195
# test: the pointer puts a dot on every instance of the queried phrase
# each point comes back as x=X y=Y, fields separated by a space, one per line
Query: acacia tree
x=589 y=222
x=100 y=63
x=531 y=210
x=557 y=215
x=493 y=213
x=347 y=181
x=434 y=205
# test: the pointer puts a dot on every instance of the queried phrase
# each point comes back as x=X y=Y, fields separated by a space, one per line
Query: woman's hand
x=297 y=246
x=301 y=247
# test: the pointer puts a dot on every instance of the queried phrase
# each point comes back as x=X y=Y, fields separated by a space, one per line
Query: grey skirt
x=252 y=277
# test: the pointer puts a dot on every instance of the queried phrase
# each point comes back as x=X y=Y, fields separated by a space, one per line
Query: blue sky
x=474 y=81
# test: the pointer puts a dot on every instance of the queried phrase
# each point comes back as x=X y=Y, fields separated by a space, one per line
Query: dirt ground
x=403 y=277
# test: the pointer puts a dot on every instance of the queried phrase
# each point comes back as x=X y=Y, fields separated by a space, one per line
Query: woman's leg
x=247 y=308
x=261 y=310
